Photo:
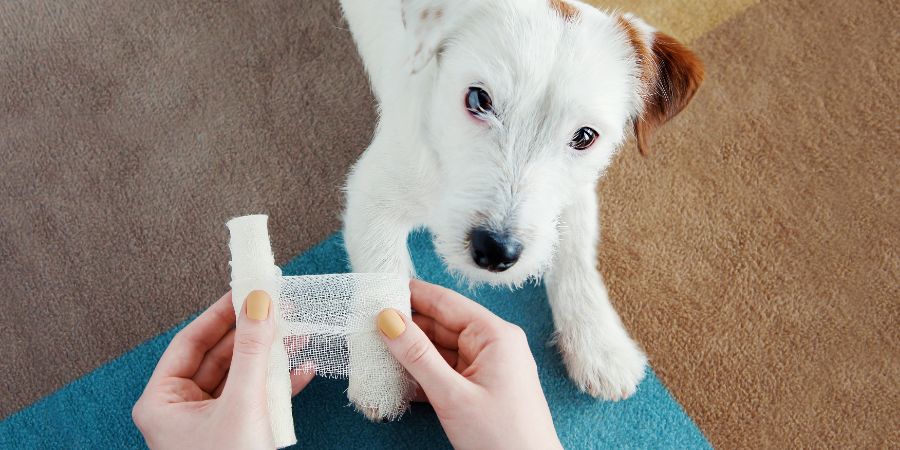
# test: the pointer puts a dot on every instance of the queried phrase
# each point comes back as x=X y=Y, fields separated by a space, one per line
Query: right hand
x=475 y=369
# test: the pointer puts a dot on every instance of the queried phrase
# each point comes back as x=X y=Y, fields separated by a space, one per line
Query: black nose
x=494 y=251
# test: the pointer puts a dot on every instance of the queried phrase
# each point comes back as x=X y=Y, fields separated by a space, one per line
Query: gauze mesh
x=327 y=323
x=320 y=312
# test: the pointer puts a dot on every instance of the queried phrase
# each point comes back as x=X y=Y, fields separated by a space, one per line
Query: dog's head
x=529 y=102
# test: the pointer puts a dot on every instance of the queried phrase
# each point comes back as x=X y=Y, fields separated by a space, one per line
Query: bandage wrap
x=327 y=323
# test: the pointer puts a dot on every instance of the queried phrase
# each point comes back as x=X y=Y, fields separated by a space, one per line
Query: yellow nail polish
x=390 y=323
x=258 y=305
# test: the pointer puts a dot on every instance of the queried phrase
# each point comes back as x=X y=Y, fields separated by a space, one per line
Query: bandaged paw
x=327 y=323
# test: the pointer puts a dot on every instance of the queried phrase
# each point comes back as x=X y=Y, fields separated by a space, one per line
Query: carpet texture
x=131 y=131
x=753 y=252
x=651 y=419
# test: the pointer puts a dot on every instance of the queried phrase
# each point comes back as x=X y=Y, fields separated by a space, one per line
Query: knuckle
x=454 y=398
x=514 y=335
x=179 y=338
x=250 y=344
x=496 y=329
x=417 y=352
x=139 y=415
x=517 y=333
x=441 y=304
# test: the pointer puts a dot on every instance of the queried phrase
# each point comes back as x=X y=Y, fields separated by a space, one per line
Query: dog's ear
x=670 y=75
x=429 y=22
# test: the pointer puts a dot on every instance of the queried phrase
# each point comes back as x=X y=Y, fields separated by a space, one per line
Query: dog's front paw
x=610 y=369
x=383 y=407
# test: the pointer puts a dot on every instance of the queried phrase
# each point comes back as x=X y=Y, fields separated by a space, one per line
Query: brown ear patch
x=645 y=60
x=566 y=10
x=674 y=77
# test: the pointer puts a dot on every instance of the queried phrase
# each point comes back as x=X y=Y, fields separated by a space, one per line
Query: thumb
x=253 y=338
x=411 y=347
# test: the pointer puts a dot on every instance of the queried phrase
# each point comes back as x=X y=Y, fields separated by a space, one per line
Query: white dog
x=497 y=119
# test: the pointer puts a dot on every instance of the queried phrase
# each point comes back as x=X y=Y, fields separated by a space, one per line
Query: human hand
x=475 y=369
x=209 y=387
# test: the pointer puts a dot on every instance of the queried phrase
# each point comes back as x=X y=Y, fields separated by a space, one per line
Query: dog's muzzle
x=494 y=251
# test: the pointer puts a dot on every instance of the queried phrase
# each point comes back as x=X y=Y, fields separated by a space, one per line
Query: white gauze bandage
x=327 y=323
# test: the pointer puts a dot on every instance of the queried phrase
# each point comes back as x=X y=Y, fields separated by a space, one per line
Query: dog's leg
x=375 y=233
x=600 y=356
x=377 y=220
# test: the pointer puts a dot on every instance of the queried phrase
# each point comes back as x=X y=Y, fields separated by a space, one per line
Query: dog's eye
x=583 y=138
x=478 y=102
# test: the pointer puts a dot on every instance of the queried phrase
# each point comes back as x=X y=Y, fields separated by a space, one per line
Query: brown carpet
x=129 y=133
x=753 y=252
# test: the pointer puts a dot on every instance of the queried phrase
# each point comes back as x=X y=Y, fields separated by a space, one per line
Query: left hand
x=209 y=387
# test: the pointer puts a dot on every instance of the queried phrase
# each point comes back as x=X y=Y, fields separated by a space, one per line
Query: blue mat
x=95 y=410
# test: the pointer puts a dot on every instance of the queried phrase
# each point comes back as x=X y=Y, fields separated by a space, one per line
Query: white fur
x=431 y=164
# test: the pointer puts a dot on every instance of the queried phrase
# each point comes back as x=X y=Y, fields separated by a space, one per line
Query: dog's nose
x=494 y=251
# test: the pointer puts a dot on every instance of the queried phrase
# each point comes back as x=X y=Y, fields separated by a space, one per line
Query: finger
x=215 y=364
x=178 y=390
x=477 y=336
x=218 y=390
x=445 y=306
x=185 y=352
x=447 y=345
x=437 y=333
x=450 y=356
x=461 y=365
x=253 y=339
x=417 y=354
x=301 y=376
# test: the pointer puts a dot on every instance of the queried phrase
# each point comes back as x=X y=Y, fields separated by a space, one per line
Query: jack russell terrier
x=497 y=118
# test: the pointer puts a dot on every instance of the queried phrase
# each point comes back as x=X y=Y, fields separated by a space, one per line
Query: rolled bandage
x=253 y=268
x=328 y=324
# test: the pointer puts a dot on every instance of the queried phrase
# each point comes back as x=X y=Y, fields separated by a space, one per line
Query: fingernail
x=258 y=305
x=390 y=323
